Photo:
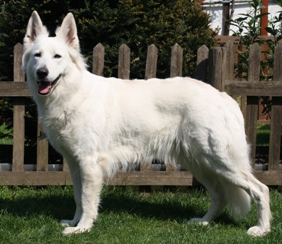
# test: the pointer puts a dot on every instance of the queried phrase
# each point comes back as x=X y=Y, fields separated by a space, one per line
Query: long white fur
x=102 y=124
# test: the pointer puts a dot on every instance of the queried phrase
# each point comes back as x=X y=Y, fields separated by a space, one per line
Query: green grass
x=263 y=134
x=31 y=214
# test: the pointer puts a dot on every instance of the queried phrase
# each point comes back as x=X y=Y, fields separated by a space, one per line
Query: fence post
x=124 y=62
x=215 y=67
x=151 y=62
x=252 y=102
x=276 y=114
x=176 y=61
x=18 y=114
x=98 y=59
x=202 y=63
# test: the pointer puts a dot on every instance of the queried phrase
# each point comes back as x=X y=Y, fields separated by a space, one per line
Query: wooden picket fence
x=214 y=65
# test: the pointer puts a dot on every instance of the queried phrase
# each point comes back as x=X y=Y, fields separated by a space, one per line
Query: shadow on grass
x=61 y=206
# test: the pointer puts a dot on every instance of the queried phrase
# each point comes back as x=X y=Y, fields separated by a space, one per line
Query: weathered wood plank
x=215 y=67
x=18 y=115
x=270 y=178
x=151 y=62
x=14 y=89
x=18 y=73
x=176 y=61
x=150 y=72
x=252 y=102
x=42 y=150
x=162 y=178
x=227 y=62
x=146 y=166
x=254 y=63
x=18 y=134
x=124 y=62
x=34 y=178
x=65 y=166
x=171 y=167
x=136 y=178
x=202 y=63
x=98 y=59
x=251 y=125
x=276 y=114
x=256 y=88
x=235 y=39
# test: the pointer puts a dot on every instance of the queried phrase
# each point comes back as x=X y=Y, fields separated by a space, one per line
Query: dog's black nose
x=42 y=72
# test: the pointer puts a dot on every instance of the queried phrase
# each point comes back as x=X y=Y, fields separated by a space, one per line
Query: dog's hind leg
x=239 y=185
x=91 y=184
x=260 y=194
x=76 y=179
x=218 y=200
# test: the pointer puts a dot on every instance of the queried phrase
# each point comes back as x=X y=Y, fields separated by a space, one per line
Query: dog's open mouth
x=45 y=87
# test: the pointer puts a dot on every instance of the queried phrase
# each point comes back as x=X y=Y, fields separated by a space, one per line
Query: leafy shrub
x=137 y=23
x=6 y=134
x=249 y=33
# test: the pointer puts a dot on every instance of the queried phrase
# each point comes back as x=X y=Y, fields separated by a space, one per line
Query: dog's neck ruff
x=46 y=87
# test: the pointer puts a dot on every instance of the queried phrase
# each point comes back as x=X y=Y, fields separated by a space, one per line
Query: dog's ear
x=34 y=29
x=68 y=31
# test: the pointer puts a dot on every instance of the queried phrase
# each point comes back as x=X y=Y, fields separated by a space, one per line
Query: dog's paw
x=74 y=230
x=257 y=231
x=199 y=221
x=66 y=223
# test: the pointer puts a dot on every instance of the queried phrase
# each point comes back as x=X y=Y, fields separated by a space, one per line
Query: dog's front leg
x=76 y=179
x=91 y=184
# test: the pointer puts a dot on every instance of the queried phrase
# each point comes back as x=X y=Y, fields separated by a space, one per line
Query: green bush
x=6 y=135
x=137 y=23
x=248 y=33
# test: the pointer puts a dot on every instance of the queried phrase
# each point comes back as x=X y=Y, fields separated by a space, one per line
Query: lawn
x=263 y=134
x=31 y=214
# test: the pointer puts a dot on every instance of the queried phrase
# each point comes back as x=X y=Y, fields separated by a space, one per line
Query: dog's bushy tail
x=238 y=200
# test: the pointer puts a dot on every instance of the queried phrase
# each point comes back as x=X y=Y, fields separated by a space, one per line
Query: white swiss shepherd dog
x=102 y=124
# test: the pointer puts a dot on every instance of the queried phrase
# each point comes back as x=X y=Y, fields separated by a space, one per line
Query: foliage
x=248 y=32
x=137 y=23
x=6 y=134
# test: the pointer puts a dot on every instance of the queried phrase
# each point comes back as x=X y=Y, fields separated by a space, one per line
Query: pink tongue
x=44 y=87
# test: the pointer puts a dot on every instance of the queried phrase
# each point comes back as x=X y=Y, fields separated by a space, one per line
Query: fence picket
x=202 y=64
x=98 y=59
x=276 y=114
x=124 y=62
x=151 y=63
x=18 y=115
x=227 y=62
x=176 y=61
x=252 y=102
x=215 y=67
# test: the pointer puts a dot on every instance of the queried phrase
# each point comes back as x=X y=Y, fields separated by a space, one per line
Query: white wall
x=215 y=11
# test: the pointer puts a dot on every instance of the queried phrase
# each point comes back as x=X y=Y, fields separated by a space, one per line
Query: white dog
x=101 y=124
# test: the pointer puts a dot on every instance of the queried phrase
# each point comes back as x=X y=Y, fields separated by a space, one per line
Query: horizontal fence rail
x=214 y=65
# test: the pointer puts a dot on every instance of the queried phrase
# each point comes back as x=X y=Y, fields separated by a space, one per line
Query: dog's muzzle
x=46 y=87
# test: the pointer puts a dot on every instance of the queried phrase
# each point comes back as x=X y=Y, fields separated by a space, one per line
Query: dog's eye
x=57 y=56
x=37 y=55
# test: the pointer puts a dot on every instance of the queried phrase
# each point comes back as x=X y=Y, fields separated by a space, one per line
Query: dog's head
x=47 y=60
